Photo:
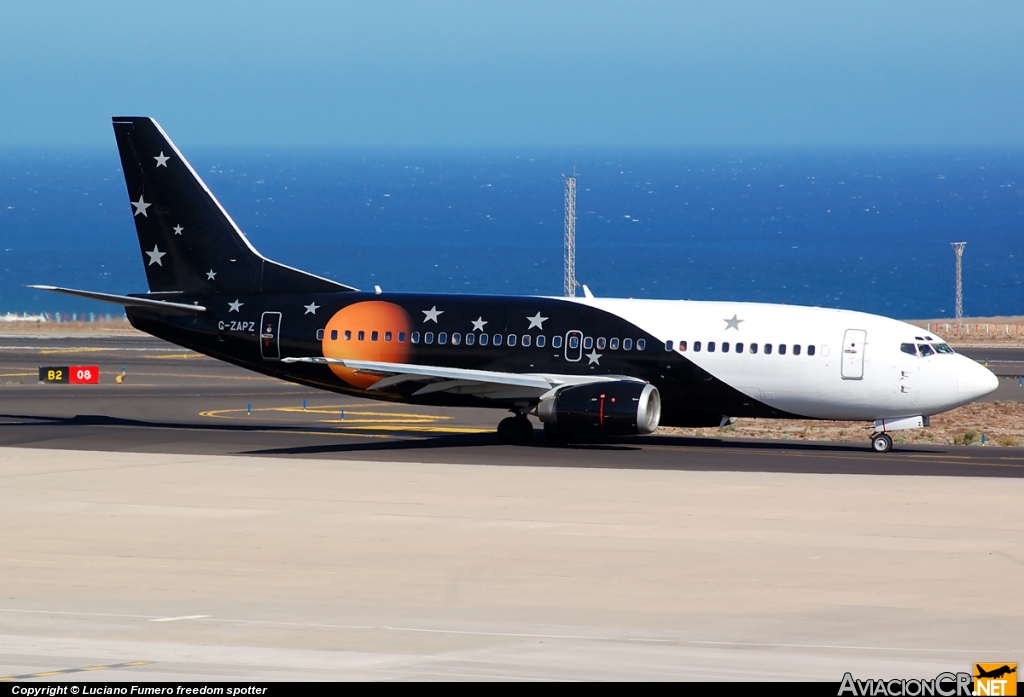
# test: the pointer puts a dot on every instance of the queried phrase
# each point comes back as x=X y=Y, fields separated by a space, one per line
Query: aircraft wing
x=481 y=383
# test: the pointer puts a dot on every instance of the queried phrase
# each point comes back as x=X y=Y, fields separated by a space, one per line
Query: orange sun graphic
x=367 y=331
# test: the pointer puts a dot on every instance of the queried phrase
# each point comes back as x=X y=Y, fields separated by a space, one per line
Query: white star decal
x=155 y=256
x=141 y=206
x=210 y=275
x=478 y=324
x=537 y=321
x=594 y=357
x=431 y=314
x=235 y=306
x=177 y=229
x=311 y=308
x=161 y=159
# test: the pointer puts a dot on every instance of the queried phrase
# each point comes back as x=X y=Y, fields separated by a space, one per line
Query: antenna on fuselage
x=569 y=267
x=958 y=249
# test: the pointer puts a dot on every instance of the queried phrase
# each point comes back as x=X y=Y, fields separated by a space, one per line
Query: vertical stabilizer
x=189 y=243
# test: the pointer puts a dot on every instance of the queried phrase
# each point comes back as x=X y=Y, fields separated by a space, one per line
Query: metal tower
x=958 y=248
x=569 y=271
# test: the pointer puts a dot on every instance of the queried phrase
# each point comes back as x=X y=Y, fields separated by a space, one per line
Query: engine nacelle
x=615 y=408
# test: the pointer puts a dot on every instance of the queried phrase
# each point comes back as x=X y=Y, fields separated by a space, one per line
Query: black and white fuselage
x=584 y=364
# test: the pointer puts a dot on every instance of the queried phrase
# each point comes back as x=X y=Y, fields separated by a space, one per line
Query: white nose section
x=974 y=382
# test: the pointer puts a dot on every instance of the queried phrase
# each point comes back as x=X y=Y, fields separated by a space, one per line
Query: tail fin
x=189 y=242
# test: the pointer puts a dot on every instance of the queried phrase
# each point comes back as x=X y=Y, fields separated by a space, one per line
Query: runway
x=161 y=529
x=175 y=401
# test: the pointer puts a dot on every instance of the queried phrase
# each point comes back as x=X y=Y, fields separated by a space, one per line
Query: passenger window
x=484 y=337
x=810 y=350
x=374 y=336
x=711 y=347
x=348 y=335
x=415 y=338
x=456 y=339
x=334 y=334
x=588 y=343
x=725 y=347
x=926 y=350
x=556 y=341
x=442 y=338
x=574 y=341
x=682 y=346
x=526 y=340
x=668 y=345
x=627 y=344
x=739 y=347
x=613 y=344
x=319 y=334
x=782 y=349
x=511 y=340
x=696 y=346
x=768 y=349
x=470 y=339
x=387 y=336
x=361 y=335
x=909 y=349
x=428 y=338
x=541 y=341
x=496 y=340
x=753 y=348
x=401 y=337
x=796 y=349
x=601 y=343
x=641 y=344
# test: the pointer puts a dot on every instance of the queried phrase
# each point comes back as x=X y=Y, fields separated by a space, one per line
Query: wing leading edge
x=482 y=383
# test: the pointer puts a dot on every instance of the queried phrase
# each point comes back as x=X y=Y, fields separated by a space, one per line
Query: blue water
x=865 y=230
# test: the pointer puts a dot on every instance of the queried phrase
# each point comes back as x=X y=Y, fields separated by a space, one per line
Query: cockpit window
x=908 y=348
x=925 y=350
x=943 y=348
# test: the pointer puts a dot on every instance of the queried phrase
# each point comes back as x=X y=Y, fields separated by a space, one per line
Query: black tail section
x=189 y=242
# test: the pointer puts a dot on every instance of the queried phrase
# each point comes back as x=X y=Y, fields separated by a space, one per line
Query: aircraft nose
x=974 y=381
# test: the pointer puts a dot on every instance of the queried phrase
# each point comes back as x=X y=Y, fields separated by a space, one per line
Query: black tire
x=515 y=430
x=881 y=443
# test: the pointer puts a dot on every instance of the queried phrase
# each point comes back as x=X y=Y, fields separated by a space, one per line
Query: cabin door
x=270 y=336
x=853 y=354
x=574 y=345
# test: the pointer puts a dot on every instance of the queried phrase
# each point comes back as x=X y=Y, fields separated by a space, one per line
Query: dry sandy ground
x=213 y=567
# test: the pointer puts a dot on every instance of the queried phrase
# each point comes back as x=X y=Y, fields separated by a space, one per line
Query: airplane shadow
x=641 y=452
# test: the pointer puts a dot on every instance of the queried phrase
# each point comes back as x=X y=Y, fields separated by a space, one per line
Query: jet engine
x=617 y=408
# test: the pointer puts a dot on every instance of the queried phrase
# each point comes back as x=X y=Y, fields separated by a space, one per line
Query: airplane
x=584 y=366
x=995 y=673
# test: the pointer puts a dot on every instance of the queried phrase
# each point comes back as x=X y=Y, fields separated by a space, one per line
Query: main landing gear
x=881 y=442
x=515 y=430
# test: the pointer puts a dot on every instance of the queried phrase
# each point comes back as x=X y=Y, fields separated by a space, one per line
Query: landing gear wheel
x=881 y=443
x=515 y=430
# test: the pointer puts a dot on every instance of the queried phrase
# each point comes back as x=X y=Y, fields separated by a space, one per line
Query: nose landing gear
x=515 y=430
x=881 y=442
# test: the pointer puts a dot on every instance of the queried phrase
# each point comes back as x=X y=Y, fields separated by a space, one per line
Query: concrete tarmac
x=160 y=529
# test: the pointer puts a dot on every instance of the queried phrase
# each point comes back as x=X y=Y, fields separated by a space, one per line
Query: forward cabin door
x=853 y=354
x=270 y=336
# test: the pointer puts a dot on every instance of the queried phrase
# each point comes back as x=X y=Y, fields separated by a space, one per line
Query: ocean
x=857 y=229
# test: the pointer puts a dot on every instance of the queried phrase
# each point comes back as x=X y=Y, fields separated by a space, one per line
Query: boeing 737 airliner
x=582 y=366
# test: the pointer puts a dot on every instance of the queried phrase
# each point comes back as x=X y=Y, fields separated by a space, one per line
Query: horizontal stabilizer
x=126 y=300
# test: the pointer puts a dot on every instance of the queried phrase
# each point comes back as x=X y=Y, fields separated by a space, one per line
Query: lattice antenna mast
x=958 y=249
x=569 y=270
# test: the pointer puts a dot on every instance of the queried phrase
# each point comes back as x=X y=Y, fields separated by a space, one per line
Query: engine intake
x=615 y=408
